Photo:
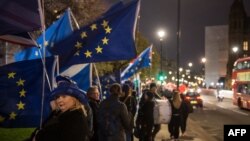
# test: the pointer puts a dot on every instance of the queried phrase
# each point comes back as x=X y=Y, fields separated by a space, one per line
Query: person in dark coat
x=69 y=121
x=130 y=103
x=94 y=102
x=147 y=118
x=175 y=122
x=153 y=91
x=185 y=112
x=120 y=113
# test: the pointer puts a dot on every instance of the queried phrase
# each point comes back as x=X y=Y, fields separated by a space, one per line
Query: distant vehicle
x=194 y=98
x=241 y=83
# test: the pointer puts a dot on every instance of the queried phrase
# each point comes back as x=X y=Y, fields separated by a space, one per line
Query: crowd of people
x=80 y=116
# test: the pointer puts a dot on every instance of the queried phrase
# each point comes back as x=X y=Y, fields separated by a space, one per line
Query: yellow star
x=22 y=93
x=20 y=82
x=83 y=34
x=105 y=41
x=108 y=30
x=88 y=54
x=93 y=27
x=98 y=49
x=11 y=75
x=2 y=118
x=20 y=105
x=105 y=23
x=12 y=115
x=77 y=53
x=78 y=45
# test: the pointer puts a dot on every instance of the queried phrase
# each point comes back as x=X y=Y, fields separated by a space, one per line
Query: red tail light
x=198 y=97
x=187 y=97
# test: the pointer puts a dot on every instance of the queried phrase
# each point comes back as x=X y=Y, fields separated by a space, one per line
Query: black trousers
x=174 y=125
x=184 y=123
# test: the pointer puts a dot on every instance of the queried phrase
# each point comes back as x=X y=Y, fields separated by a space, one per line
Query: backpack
x=108 y=121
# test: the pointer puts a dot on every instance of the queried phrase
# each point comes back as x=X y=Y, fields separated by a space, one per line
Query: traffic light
x=161 y=76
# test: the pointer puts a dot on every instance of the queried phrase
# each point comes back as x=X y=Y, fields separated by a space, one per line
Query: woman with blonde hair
x=68 y=122
x=175 y=122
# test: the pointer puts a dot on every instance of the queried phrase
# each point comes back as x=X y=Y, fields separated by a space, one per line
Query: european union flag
x=55 y=33
x=81 y=74
x=142 y=61
x=107 y=80
x=19 y=16
x=21 y=93
x=109 y=38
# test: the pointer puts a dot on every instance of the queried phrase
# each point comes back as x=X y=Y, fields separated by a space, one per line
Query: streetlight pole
x=161 y=34
x=178 y=40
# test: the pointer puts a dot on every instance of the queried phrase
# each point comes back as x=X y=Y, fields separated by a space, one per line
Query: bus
x=241 y=83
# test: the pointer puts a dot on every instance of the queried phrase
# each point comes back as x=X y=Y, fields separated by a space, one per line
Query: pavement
x=194 y=133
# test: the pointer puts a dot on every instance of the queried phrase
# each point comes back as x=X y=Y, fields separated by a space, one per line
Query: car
x=194 y=98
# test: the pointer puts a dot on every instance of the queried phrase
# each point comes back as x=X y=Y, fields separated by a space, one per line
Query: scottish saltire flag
x=109 y=38
x=142 y=61
x=81 y=74
x=21 y=93
x=19 y=16
x=55 y=33
x=24 y=39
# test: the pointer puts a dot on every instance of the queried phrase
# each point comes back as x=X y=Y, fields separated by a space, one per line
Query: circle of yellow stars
x=22 y=94
x=99 y=48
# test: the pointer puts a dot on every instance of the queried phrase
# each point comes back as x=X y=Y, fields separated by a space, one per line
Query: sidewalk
x=194 y=133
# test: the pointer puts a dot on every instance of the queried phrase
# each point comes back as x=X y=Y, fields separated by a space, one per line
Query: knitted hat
x=66 y=86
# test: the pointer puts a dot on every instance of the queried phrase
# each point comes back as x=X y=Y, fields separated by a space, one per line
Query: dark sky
x=195 y=15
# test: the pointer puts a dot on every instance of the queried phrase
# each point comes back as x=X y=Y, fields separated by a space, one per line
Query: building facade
x=239 y=34
x=216 y=52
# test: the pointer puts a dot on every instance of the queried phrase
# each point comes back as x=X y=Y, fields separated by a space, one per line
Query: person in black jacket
x=175 y=122
x=130 y=103
x=94 y=102
x=147 y=118
x=69 y=121
x=185 y=112
x=116 y=111
x=153 y=91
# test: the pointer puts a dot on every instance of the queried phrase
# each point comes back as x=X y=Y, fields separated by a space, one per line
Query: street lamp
x=161 y=34
x=203 y=60
x=190 y=64
x=235 y=49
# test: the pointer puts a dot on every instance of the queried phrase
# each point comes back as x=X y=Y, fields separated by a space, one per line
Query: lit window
x=245 y=45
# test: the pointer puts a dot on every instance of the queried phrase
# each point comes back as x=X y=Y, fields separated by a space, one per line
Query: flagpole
x=74 y=19
x=42 y=16
x=98 y=79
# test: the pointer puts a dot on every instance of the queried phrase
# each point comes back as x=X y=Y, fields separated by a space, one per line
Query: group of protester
x=76 y=117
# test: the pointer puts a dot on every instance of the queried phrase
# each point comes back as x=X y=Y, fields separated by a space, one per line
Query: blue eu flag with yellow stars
x=109 y=38
x=59 y=30
x=21 y=93
x=142 y=61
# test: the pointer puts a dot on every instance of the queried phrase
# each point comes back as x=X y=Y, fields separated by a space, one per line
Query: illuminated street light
x=161 y=34
x=190 y=64
x=235 y=49
x=203 y=60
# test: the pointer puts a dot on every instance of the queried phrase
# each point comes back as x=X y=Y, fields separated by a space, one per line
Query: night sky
x=195 y=15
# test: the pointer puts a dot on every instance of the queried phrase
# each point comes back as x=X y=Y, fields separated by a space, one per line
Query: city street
x=207 y=124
